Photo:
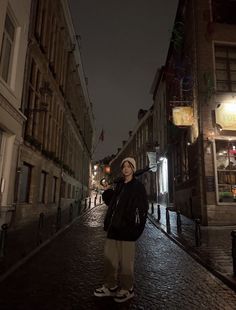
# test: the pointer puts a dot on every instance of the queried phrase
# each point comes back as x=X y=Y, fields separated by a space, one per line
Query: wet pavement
x=64 y=274
x=215 y=250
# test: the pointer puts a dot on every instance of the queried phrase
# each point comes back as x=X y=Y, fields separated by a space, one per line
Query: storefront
x=225 y=153
x=225 y=165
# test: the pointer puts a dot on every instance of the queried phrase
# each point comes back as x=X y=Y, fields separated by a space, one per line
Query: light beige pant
x=119 y=263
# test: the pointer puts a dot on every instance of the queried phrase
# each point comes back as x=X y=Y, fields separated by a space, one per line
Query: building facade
x=54 y=160
x=14 y=24
x=200 y=110
x=160 y=123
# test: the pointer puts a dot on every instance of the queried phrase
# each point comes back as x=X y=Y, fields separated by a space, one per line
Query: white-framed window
x=225 y=165
x=7 y=48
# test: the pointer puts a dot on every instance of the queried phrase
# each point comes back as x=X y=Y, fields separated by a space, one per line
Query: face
x=127 y=169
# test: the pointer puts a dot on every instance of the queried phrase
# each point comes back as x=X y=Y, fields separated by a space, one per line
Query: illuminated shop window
x=226 y=170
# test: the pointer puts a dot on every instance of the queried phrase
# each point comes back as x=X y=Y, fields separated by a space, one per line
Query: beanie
x=131 y=161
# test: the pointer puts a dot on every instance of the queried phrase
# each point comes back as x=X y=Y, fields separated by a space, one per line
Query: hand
x=106 y=186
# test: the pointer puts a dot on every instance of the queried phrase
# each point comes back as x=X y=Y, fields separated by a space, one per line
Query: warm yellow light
x=230 y=107
x=226 y=115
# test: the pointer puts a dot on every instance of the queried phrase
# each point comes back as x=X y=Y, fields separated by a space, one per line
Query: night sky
x=122 y=45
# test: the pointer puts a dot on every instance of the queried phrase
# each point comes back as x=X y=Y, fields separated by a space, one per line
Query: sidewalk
x=20 y=243
x=216 y=244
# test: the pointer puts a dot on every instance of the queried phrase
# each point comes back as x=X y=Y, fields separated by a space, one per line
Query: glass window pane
x=221 y=64
x=54 y=189
x=233 y=87
x=225 y=193
x=220 y=51
x=25 y=183
x=222 y=86
x=232 y=53
x=221 y=75
x=5 y=60
x=42 y=187
x=233 y=76
x=232 y=65
x=226 y=170
x=9 y=26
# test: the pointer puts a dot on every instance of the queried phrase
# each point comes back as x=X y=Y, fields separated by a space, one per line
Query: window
x=69 y=191
x=42 y=190
x=225 y=65
x=54 y=189
x=7 y=49
x=226 y=170
x=223 y=11
x=25 y=182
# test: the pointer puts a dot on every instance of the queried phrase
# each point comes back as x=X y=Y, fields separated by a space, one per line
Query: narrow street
x=64 y=274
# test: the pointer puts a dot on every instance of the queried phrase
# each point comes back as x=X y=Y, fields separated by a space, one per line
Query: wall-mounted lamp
x=211 y=136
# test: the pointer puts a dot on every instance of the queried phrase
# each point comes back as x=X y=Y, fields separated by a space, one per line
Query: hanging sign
x=226 y=115
x=182 y=116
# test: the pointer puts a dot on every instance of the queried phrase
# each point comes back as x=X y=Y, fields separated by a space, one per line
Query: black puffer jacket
x=127 y=211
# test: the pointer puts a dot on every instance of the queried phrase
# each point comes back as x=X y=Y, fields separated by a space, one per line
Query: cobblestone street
x=64 y=274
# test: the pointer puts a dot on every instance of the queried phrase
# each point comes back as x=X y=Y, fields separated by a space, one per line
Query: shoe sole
x=100 y=295
x=124 y=299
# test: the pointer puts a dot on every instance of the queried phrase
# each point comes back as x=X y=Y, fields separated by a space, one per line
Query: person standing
x=124 y=223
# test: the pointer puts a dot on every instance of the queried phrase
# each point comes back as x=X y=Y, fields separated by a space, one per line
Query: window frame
x=42 y=188
x=227 y=60
x=28 y=184
x=218 y=202
x=6 y=37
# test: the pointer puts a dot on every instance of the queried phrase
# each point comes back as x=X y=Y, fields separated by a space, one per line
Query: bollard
x=179 y=227
x=71 y=212
x=40 y=228
x=158 y=213
x=167 y=220
x=152 y=205
x=3 y=236
x=100 y=199
x=197 y=233
x=89 y=202
x=58 y=223
x=233 y=235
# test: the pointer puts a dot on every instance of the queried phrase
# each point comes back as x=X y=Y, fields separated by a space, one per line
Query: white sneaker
x=124 y=295
x=105 y=291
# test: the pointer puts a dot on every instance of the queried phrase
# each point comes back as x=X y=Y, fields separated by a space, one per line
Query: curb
x=21 y=262
x=230 y=282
